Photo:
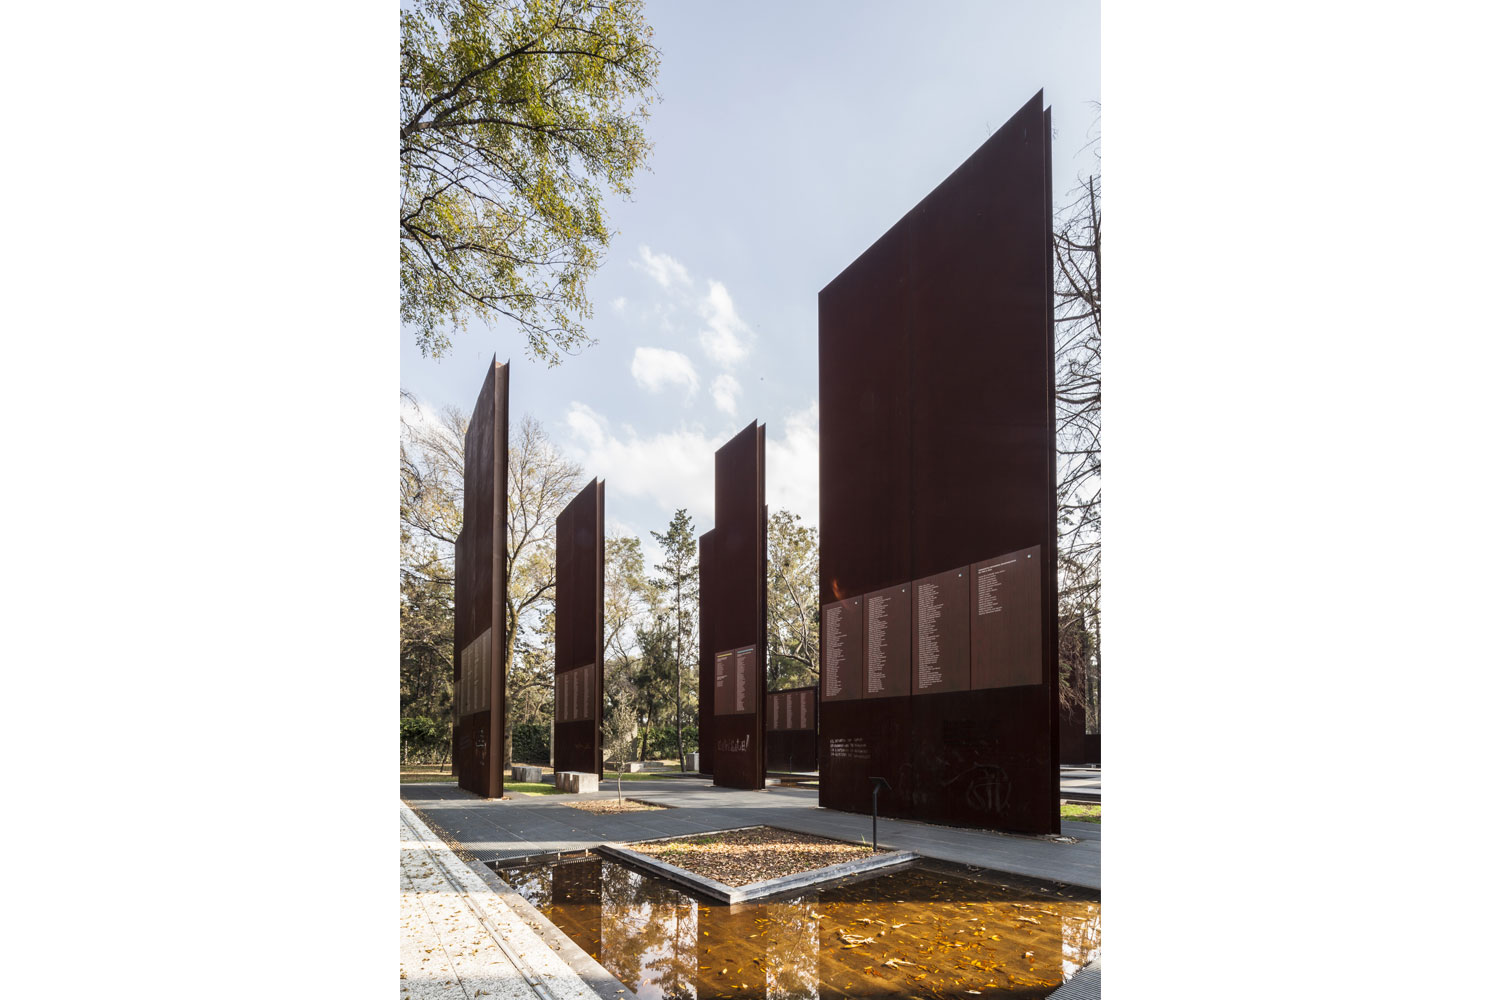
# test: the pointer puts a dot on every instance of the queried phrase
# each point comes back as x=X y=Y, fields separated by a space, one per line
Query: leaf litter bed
x=741 y=857
x=613 y=806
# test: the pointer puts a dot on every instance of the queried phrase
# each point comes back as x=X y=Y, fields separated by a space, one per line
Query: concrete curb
x=547 y=974
x=599 y=979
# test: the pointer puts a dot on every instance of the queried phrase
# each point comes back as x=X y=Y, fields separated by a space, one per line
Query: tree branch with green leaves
x=516 y=117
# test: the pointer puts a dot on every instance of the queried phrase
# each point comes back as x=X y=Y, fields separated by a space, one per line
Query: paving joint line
x=532 y=979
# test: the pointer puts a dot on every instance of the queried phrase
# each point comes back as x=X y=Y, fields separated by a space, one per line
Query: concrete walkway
x=495 y=830
x=1083 y=783
x=460 y=940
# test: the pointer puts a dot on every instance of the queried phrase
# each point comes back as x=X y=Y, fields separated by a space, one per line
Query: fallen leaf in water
x=1030 y=954
x=1030 y=920
x=894 y=926
x=854 y=940
x=894 y=962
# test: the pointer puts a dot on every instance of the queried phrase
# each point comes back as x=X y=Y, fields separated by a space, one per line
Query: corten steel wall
x=1076 y=745
x=792 y=729
x=738 y=607
x=578 y=683
x=706 y=647
x=935 y=458
x=479 y=612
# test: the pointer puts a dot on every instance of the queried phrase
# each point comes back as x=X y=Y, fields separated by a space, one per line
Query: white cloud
x=792 y=466
x=674 y=469
x=619 y=303
x=726 y=390
x=665 y=271
x=724 y=340
x=586 y=424
x=655 y=367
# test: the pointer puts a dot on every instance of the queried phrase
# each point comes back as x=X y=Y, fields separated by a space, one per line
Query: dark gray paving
x=494 y=830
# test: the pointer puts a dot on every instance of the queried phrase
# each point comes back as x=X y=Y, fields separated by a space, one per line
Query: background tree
x=431 y=494
x=1078 y=332
x=513 y=113
x=617 y=732
x=626 y=598
x=678 y=586
x=792 y=616
x=654 y=678
x=541 y=482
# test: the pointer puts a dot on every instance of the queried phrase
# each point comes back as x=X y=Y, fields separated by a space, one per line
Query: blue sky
x=787 y=139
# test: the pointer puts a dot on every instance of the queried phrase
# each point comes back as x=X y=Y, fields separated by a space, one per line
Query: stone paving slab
x=453 y=926
x=497 y=830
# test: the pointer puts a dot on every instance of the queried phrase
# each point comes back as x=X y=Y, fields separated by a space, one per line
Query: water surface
x=934 y=931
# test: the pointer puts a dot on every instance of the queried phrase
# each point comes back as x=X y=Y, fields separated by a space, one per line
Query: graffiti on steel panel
x=985 y=787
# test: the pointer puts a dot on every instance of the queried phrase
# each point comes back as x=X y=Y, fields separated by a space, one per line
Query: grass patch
x=639 y=775
x=531 y=788
x=686 y=845
x=1083 y=814
x=422 y=773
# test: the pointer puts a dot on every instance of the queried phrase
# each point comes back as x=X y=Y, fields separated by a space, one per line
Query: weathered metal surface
x=738 y=608
x=706 y=647
x=936 y=453
x=579 y=646
x=479 y=610
x=792 y=729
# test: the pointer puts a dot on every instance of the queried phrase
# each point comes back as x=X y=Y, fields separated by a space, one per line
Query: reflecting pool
x=925 y=931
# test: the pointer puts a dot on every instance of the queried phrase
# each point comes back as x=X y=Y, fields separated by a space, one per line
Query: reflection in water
x=792 y=951
x=925 y=932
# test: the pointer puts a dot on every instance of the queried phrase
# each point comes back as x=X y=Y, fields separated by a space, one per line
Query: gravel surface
x=741 y=857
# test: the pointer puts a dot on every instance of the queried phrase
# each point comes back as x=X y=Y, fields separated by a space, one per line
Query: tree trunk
x=681 y=758
x=645 y=734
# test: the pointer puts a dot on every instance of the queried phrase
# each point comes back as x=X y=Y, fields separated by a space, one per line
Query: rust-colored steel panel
x=864 y=413
x=935 y=453
x=1005 y=614
x=792 y=729
x=739 y=609
x=887 y=625
x=1077 y=745
x=478 y=604
x=843 y=649
x=792 y=709
x=579 y=628
x=707 y=644
x=991 y=755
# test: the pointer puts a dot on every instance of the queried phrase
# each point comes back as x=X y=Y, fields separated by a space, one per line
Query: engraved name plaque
x=843 y=651
x=1005 y=607
x=888 y=642
x=940 y=633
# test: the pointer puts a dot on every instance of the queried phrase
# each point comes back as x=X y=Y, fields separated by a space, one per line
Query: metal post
x=879 y=783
